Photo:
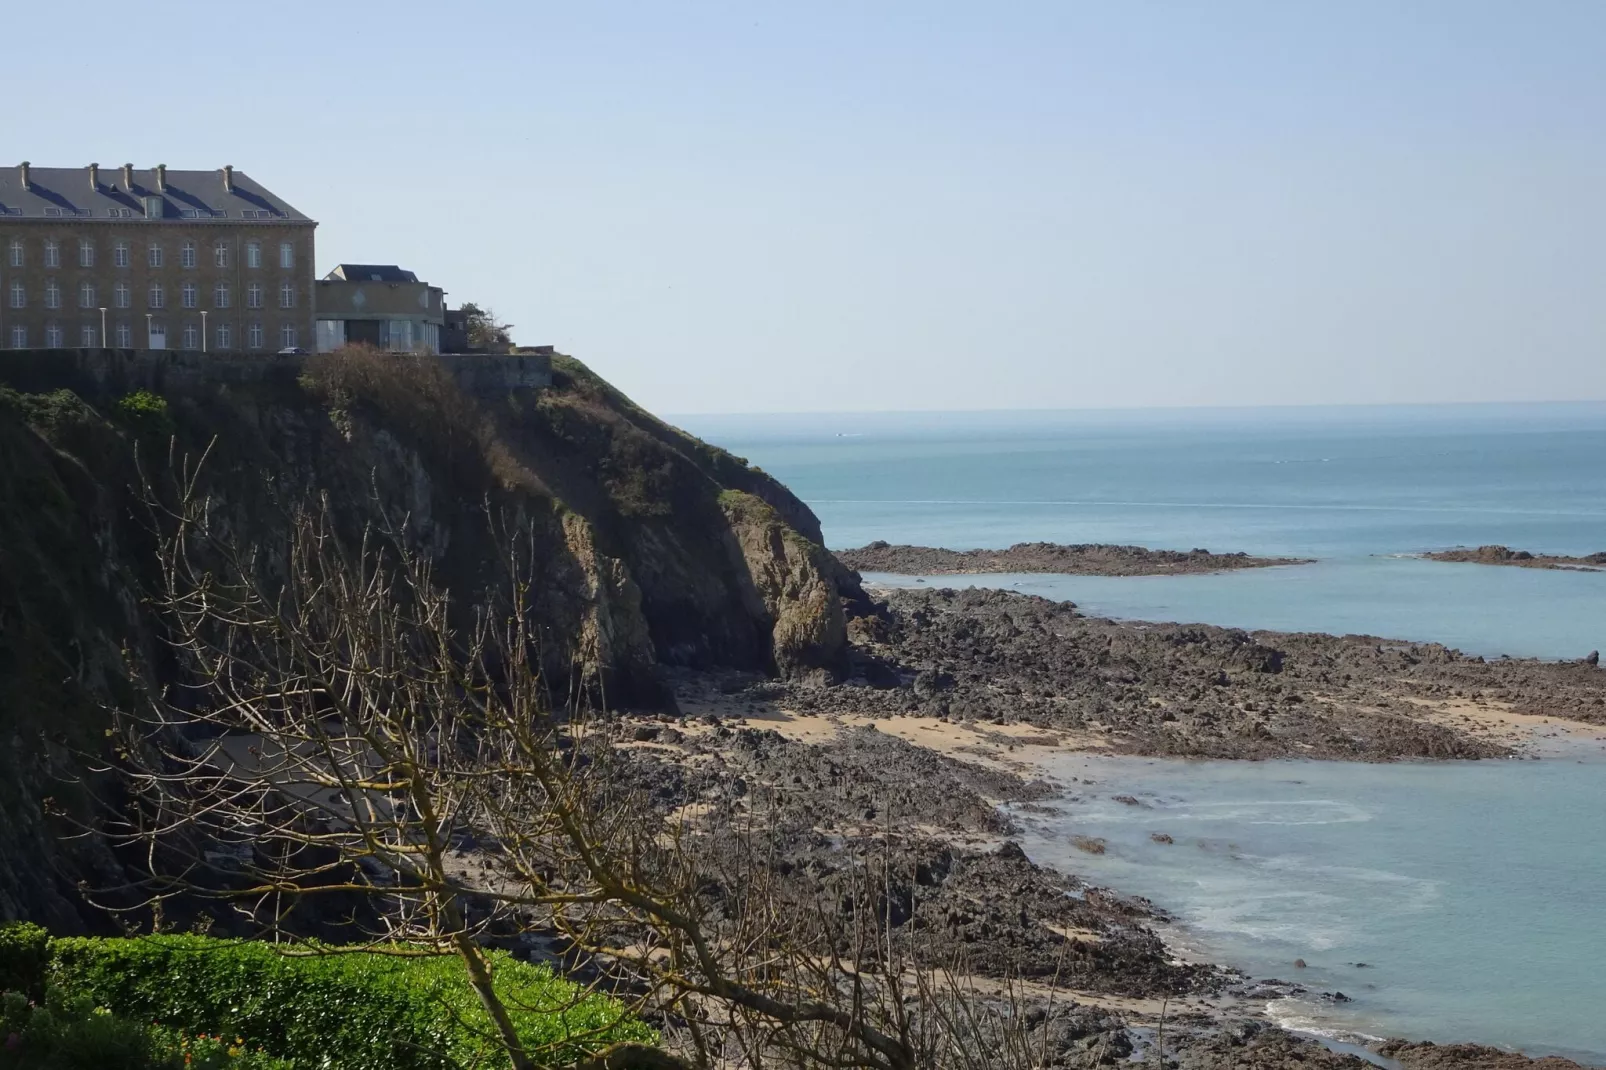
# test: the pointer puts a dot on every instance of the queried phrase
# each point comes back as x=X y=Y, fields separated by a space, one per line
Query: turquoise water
x=1473 y=890
x=1350 y=486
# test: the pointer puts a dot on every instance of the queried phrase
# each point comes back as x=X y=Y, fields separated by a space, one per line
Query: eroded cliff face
x=647 y=547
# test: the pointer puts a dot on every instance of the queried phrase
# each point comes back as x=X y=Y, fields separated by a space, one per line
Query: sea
x=1474 y=892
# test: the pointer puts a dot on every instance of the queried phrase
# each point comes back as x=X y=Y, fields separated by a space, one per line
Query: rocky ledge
x=1082 y=559
x=1505 y=555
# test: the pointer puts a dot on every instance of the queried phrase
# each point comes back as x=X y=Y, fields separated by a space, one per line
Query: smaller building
x=379 y=305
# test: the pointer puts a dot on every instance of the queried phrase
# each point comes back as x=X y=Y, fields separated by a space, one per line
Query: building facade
x=379 y=305
x=208 y=261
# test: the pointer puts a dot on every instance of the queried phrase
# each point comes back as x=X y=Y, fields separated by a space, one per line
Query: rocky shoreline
x=953 y=697
x=1083 y=559
x=1505 y=555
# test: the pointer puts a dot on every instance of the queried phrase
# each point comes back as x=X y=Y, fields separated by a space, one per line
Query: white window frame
x=86 y=253
x=287 y=336
x=186 y=255
x=287 y=254
x=156 y=296
x=125 y=336
x=189 y=295
x=220 y=254
x=287 y=294
x=254 y=335
x=54 y=338
x=19 y=256
x=223 y=336
x=86 y=295
x=253 y=295
x=86 y=336
x=52 y=253
x=153 y=255
x=120 y=254
x=19 y=336
x=221 y=295
x=122 y=296
x=19 y=294
x=190 y=337
x=253 y=254
x=52 y=294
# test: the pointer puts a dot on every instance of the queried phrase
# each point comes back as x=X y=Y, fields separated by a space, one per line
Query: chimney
x=128 y=177
x=94 y=178
x=26 y=184
x=161 y=178
x=228 y=177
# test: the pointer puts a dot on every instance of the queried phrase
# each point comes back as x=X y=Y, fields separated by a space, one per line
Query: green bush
x=338 y=1009
x=145 y=411
x=24 y=954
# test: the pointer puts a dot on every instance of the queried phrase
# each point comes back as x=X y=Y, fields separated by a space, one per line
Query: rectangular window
x=120 y=254
x=19 y=337
x=125 y=336
x=86 y=253
x=287 y=336
x=287 y=255
x=86 y=335
x=52 y=254
x=224 y=336
x=253 y=254
x=158 y=299
x=187 y=295
x=53 y=336
x=121 y=295
x=287 y=295
x=253 y=296
x=19 y=294
x=220 y=255
x=253 y=336
x=17 y=257
x=192 y=336
x=52 y=294
x=153 y=208
x=153 y=255
x=220 y=295
x=186 y=255
x=86 y=295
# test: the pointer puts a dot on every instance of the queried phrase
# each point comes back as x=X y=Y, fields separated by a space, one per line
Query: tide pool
x=1472 y=891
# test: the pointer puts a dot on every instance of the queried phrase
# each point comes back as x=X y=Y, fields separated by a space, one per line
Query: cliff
x=651 y=548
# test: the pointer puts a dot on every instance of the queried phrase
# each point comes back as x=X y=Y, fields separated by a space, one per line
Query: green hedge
x=338 y=1009
x=24 y=955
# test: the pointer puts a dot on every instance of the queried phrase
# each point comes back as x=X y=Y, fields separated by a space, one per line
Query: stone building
x=208 y=261
x=379 y=305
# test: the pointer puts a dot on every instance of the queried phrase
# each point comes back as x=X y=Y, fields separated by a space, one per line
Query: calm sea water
x=1471 y=889
x=1353 y=487
x=1476 y=892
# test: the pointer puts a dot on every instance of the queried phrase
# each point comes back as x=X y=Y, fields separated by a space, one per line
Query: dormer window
x=153 y=207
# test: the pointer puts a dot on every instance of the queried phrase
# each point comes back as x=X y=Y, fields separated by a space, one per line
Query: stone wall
x=94 y=373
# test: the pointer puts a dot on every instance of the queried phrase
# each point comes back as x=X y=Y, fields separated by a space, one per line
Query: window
x=125 y=336
x=86 y=295
x=19 y=294
x=86 y=335
x=287 y=336
x=220 y=254
x=53 y=336
x=52 y=294
x=287 y=295
x=220 y=295
x=153 y=208
x=187 y=295
x=192 y=336
x=253 y=336
x=17 y=259
x=253 y=296
x=157 y=298
x=19 y=338
x=186 y=255
x=287 y=255
x=253 y=254
x=224 y=336
x=120 y=295
x=153 y=255
x=120 y=254
x=52 y=254
x=86 y=253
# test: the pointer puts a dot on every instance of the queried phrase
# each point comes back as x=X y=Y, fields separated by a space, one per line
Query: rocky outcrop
x=1082 y=559
x=1505 y=555
x=646 y=547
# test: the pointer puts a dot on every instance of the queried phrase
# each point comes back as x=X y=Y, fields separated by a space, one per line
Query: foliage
x=24 y=955
x=71 y=1033
x=145 y=411
x=376 y=1011
x=485 y=331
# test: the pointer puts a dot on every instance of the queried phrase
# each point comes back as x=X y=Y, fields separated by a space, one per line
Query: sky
x=766 y=207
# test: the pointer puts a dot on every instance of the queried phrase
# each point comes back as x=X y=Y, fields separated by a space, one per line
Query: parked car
x=292 y=351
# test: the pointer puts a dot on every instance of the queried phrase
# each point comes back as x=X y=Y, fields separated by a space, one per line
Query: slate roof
x=64 y=192
x=369 y=273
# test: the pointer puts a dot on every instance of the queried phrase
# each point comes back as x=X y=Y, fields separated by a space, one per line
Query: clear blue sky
x=826 y=206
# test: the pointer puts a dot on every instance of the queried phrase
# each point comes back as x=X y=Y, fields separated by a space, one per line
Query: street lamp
x=148 y=318
x=103 y=340
x=203 y=332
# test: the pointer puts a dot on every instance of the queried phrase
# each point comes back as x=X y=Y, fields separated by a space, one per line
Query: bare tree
x=345 y=731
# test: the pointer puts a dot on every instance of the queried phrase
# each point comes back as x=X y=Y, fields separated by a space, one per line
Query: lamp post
x=104 y=341
x=203 y=332
x=148 y=318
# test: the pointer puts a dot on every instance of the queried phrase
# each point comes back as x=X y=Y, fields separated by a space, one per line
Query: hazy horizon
x=730 y=208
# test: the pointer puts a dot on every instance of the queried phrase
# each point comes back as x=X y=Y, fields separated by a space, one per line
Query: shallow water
x=1472 y=890
x=1349 y=486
